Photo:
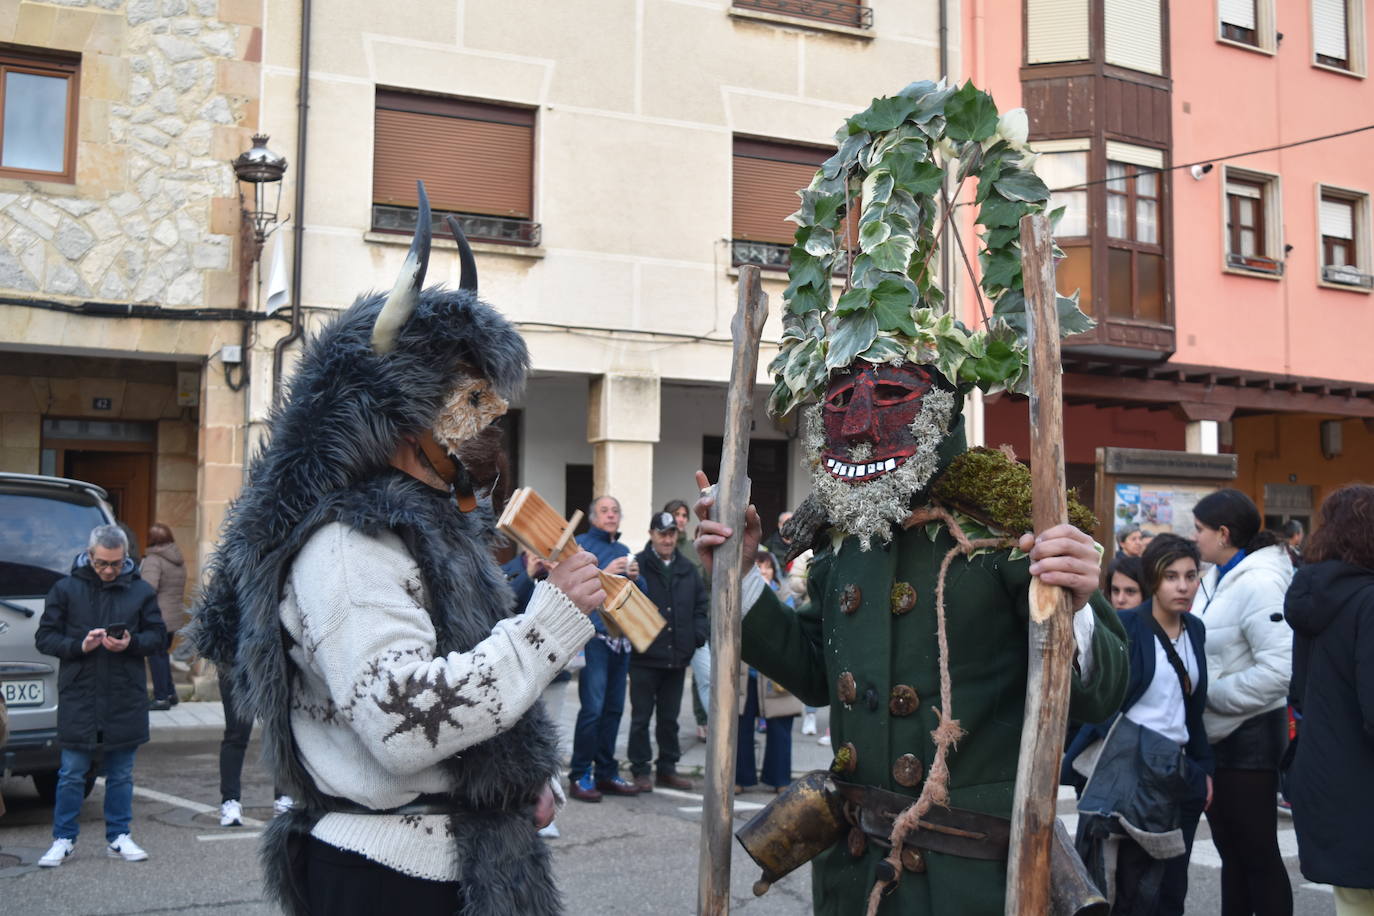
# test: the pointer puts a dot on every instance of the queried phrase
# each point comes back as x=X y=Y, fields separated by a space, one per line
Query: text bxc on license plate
x=23 y=693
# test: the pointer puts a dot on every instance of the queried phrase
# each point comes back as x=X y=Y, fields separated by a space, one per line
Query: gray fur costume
x=327 y=460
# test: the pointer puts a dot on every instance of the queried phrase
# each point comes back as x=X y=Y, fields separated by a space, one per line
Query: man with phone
x=102 y=621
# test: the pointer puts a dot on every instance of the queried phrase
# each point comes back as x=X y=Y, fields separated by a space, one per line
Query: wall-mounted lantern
x=263 y=170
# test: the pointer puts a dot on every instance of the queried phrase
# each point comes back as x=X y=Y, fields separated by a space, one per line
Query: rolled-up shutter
x=1056 y=30
x=1238 y=12
x=1338 y=218
x=473 y=157
x=768 y=176
x=1329 y=37
x=1133 y=34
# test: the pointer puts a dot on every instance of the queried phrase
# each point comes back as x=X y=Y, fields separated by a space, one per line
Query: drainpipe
x=297 y=230
x=946 y=256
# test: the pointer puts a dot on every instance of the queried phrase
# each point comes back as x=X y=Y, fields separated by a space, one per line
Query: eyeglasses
x=106 y=564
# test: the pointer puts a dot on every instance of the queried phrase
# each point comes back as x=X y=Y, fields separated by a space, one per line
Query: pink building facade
x=1232 y=288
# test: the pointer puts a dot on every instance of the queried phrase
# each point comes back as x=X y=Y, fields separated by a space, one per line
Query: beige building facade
x=614 y=163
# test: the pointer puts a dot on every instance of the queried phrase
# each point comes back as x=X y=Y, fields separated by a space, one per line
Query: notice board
x=1154 y=489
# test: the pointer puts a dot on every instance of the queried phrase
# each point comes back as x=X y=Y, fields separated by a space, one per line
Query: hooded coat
x=1330 y=606
x=165 y=570
x=102 y=695
x=326 y=460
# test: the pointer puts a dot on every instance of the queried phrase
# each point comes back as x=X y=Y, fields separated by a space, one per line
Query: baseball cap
x=662 y=521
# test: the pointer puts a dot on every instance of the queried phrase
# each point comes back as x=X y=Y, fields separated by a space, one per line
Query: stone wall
x=153 y=213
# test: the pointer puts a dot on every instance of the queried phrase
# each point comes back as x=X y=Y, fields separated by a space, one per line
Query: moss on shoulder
x=988 y=485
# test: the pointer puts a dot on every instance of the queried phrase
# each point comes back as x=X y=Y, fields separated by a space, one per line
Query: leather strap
x=954 y=831
x=423 y=804
x=1180 y=669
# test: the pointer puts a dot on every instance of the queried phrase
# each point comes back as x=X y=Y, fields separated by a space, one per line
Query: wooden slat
x=765 y=194
x=467 y=166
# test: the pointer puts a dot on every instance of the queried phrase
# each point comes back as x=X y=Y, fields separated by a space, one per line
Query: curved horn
x=467 y=275
x=406 y=293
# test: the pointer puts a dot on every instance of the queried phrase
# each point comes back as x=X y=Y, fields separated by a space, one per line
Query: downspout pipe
x=946 y=256
x=298 y=228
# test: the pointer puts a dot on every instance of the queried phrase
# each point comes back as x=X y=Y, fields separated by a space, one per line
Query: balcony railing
x=771 y=256
x=1347 y=276
x=839 y=12
x=477 y=227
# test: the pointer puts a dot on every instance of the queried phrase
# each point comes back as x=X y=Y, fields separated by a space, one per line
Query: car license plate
x=23 y=693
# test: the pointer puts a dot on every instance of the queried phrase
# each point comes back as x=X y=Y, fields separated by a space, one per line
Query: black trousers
x=342 y=883
x=1244 y=821
x=233 y=746
x=655 y=692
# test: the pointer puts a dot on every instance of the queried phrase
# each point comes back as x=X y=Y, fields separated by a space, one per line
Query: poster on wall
x=1157 y=508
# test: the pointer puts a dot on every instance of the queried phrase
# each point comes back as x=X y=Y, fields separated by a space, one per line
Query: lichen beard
x=867 y=509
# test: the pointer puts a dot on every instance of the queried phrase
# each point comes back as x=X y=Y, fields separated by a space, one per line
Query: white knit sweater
x=374 y=712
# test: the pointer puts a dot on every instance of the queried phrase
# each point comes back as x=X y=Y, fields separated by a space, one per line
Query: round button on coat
x=907 y=771
x=903 y=701
x=903 y=598
x=850 y=597
x=845 y=688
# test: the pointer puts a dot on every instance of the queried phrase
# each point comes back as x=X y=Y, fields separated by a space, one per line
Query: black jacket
x=102 y=695
x=1141 y=646
x=680 y=594
x=1330 y=606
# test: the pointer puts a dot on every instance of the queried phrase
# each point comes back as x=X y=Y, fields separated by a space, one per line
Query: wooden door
x=767 y=470
x=127 y=477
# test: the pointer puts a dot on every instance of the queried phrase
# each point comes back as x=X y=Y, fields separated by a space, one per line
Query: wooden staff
x=1051 y=616
x=732 y=499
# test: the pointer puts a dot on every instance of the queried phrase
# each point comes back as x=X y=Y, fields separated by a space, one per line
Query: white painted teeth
x=840 y=469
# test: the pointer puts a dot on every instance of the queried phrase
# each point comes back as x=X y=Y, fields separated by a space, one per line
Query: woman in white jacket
x=1249 y=652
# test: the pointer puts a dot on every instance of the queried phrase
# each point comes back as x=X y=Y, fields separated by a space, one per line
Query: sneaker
x=57 y=853
x=231 y=814
x=1285 y=807
x=550 y=832
x=824 y=740
x=809 y=724
x=125 y=848
x=282 y=804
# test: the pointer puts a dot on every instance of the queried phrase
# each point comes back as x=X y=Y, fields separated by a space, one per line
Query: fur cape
x=326 y=460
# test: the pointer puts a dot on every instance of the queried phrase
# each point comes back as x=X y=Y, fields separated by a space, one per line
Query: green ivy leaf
x=893 y=254
x=1071 y=317
x=852 y=335
x=1001 y=362
x=805 y=299
x=806 y=270
x=997 y=212
x=892 y=303
x=1000 y=266
x=970 y=114
x=1019 y=184
x=852 y=301
x=1000 y=238
x=818 y=209
x=913 y=176
x=931 y=106
x=872 y=233
x=877 y=188
x=846 y=155
x=887 y=113
x=820 y=242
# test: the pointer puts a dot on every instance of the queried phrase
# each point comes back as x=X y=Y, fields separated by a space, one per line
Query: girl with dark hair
x=1164 y=699
x=1249 y=652
x=1126 y=582
x=1330 y=606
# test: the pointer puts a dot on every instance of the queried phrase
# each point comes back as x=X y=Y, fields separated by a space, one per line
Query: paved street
x=622 y=856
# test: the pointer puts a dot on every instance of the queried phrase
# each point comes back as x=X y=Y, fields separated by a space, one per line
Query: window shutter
x=1338 y=218
x=1056 y=30
x=1238 y=12
x=767 y=178
x=1135 y=155
x=1329 y=29
x=1133 y=35
x=1237 y=189
x=472 y=157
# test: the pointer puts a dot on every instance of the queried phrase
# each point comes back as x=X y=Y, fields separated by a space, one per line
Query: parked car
x=44 y=524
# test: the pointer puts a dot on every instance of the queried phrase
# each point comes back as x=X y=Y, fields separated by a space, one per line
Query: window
x=1337 y=35
x=1247 y=22
x=38 y=117
x=1133 y=34
x=767 y=176
x=1064 y=164
x=475 y=158
x=1135 y=253
x=1252 y=222
x=850 y=13
x=1343 y=218
x=1056 y=31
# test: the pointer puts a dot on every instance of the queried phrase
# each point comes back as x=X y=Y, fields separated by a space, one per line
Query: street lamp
x=260 y=167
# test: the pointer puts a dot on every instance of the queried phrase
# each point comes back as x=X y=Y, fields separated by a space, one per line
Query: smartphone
x=117 y=630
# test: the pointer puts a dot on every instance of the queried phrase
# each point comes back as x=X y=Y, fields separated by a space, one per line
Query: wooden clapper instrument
x=534 y=525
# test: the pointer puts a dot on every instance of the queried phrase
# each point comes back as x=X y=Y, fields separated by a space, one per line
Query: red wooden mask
x=868 y=414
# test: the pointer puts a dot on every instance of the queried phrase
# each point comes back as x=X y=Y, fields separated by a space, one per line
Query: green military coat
x=860 y=623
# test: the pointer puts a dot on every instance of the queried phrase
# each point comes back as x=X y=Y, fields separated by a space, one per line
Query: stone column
x=220 y=457
x=1202 y=438
x=622 y=426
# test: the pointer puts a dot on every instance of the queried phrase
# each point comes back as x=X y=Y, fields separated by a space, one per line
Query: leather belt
x=423 y=804
x=954 y=831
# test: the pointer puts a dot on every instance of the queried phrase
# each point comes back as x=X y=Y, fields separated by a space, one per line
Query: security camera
x=1198 y=171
